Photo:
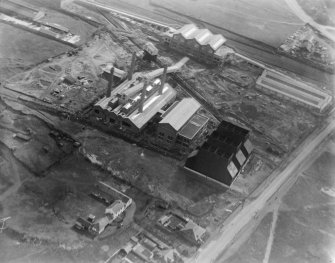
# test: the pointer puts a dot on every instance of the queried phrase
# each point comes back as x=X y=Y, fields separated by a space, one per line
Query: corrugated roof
x=216 y=41
x=180 y=114
x=202 y=36
x=151 y=106
x=187 y=30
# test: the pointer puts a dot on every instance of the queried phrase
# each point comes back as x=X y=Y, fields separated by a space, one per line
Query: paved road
x=260 y=198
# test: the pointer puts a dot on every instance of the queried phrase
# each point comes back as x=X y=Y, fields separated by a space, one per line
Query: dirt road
x=282 y=178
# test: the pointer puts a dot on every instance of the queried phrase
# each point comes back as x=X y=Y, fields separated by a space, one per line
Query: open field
x=20 y=49
x=46 y=80
x=303 y=228
x=260 y=20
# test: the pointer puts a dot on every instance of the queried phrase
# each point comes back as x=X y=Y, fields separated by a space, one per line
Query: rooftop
x=202 y=36
x=151 y=106
x=181 y=113
x=294 y=89
x=215 y=158
x=193 y=126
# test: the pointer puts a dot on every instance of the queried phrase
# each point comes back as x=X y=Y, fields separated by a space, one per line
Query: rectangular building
x=181 y=125
x=223 y=155
x=199 y=43
x=131 y=106
x=292 y=89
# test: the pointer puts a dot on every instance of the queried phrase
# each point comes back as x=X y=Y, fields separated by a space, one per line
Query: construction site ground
x=231 y=92
x=45 y=179
x=300 y=228
x=44 y=82
x=16 y=54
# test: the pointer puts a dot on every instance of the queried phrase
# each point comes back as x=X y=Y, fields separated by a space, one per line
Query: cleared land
x=20 y=49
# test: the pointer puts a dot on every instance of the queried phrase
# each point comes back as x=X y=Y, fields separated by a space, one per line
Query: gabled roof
x=202 y=36
x=115 y=208
x=181 y=113
x=196 y=230
x=187 y=31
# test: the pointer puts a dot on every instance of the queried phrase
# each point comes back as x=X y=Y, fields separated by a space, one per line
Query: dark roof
x=215 y=155
x=83 y=222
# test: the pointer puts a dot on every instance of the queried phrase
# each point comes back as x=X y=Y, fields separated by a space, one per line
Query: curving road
x=281 y=179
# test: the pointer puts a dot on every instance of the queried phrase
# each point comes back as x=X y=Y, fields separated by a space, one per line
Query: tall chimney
x=132 y=66
x=144 y=91
x=110 y=83
x=163 y=81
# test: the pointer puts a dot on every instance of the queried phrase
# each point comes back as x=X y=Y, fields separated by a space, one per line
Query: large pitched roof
x=202 y=36
x=181 y=113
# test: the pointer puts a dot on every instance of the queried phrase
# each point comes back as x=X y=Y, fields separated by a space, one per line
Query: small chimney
x=160 y=92
x=110 y=83
x=144 y=91
x=132 y=66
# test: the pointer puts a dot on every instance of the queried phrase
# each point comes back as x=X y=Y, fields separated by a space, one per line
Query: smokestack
x=132 y=66
x=110 y=83
x=163 y=81
x=144 y=91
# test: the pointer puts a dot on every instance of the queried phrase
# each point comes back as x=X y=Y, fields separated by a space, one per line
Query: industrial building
x=199 y=43
x=223 y=155
x=295 y=90
x=181 y=125
x=131 y=106
x=136 y=101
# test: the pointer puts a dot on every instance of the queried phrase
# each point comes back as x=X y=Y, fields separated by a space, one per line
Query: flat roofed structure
x=181 y=113
x=293 y=89
x=193 y=126
x=223 y=155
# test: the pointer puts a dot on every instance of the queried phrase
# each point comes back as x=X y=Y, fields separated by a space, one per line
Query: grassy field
x=20 y=49
x=270 y=22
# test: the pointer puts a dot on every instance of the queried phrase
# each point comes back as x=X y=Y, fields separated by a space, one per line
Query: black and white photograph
x=167 y=131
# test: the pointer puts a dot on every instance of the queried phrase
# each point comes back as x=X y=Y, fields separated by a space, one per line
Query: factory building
x=134 y=103
x=223 y=155
x=294 y=90
x=199 y=43
x=181 y=125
